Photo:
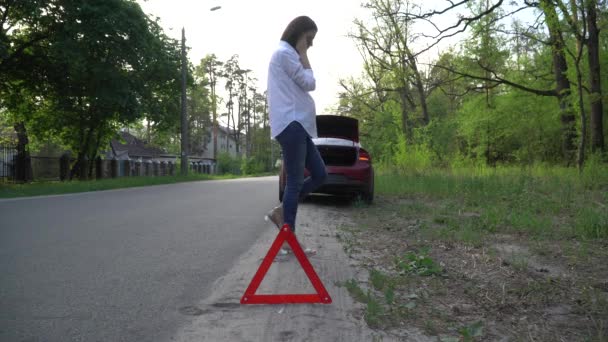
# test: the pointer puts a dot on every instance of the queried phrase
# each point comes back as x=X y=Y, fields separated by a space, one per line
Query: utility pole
x=184 y=123
x=214 y=105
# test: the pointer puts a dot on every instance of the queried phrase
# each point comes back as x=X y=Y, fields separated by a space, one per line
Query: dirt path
x=222 y=318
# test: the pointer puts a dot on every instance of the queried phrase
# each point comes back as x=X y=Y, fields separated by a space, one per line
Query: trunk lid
x=338 y=139
x=333 y=126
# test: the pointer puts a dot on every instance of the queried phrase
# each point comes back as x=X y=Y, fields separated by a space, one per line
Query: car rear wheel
x=367 y=195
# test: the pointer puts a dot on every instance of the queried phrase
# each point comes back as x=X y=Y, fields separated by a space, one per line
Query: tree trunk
x=229 y=107
x=583 y=140
x=93 y=155
x=24 y=162
x=595 y=82
x=405 y=127
x=214 y=104
x=148 y=138
x=237 y=127
x=420 y=88
x=560 y=70
x=81 y=165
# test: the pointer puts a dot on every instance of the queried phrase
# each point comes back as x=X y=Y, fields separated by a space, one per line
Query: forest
x=481 y=83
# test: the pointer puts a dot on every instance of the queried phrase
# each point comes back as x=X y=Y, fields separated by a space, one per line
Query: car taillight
x=364 y=155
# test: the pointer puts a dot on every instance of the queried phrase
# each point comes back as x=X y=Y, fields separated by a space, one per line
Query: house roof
x=226 y=131
x=134 y=147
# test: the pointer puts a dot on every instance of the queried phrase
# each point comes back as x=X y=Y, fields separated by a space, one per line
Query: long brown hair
x=296 y=29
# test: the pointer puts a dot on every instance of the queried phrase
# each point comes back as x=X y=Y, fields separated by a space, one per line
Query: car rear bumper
x=337 y=184
x=352 y=179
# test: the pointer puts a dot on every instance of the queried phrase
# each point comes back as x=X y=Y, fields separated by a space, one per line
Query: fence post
x=64 y=166
x=84 y=169
x=171 y=167
x=127 y=165
x=114 y=168
x=98 y=167
x=138 y=168
x=163 y=168
x=23 y=165
x=155 y=167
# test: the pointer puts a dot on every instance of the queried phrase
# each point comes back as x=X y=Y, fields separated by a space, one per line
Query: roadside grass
x=485 y=254
x=8 y=190
x=512 y=200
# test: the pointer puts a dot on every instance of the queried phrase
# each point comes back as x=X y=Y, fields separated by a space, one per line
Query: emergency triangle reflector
x=285 y=234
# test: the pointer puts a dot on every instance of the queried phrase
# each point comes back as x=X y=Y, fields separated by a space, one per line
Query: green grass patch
x=464 y=230
x=373 y=312
x=418 y=263
x=381 y=309
x=355 y=290
x=472 y=331
x=378 y=279
x=57 y=187
x=592 y=223
x=536 y=201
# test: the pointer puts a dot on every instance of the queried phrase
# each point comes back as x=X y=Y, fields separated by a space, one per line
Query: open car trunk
x=338 y=139
x=338 y=155
x=333 y=126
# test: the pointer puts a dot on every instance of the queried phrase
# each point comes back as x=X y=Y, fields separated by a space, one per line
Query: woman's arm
x=297 y=71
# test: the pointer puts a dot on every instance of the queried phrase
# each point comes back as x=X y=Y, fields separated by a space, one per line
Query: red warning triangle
x=285 y=234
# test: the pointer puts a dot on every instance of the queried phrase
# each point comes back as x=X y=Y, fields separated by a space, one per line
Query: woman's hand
x=302 y=45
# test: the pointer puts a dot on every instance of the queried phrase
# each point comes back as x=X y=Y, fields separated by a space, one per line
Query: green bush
x=413 y=158
x=252 y=166
x=228 y=164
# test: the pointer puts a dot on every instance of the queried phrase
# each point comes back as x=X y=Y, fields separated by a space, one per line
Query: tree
x=24 y=34
x=105 y=64
x=235 y=85
x=579 y=20
x=485 y=47
x=554 y=14
x=201 y=106
x=229 y=73
x=213 y=65
x=386 y=49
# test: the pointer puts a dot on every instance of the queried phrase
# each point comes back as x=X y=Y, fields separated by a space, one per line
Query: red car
x=349 y=166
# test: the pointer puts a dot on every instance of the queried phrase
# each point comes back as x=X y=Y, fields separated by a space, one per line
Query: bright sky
x=252 y=29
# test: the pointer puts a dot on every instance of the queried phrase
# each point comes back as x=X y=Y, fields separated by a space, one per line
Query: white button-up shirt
x=288 y=87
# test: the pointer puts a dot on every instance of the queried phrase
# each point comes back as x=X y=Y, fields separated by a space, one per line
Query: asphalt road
x=119 y=265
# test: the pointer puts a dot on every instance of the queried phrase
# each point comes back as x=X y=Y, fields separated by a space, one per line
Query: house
x=225 y=143
x=135 y=149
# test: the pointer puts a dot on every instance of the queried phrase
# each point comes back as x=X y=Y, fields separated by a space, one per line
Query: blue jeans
x=298 y=152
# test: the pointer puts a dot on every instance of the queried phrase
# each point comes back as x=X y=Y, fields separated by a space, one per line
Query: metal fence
x=8 y=153
x=47 y=168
